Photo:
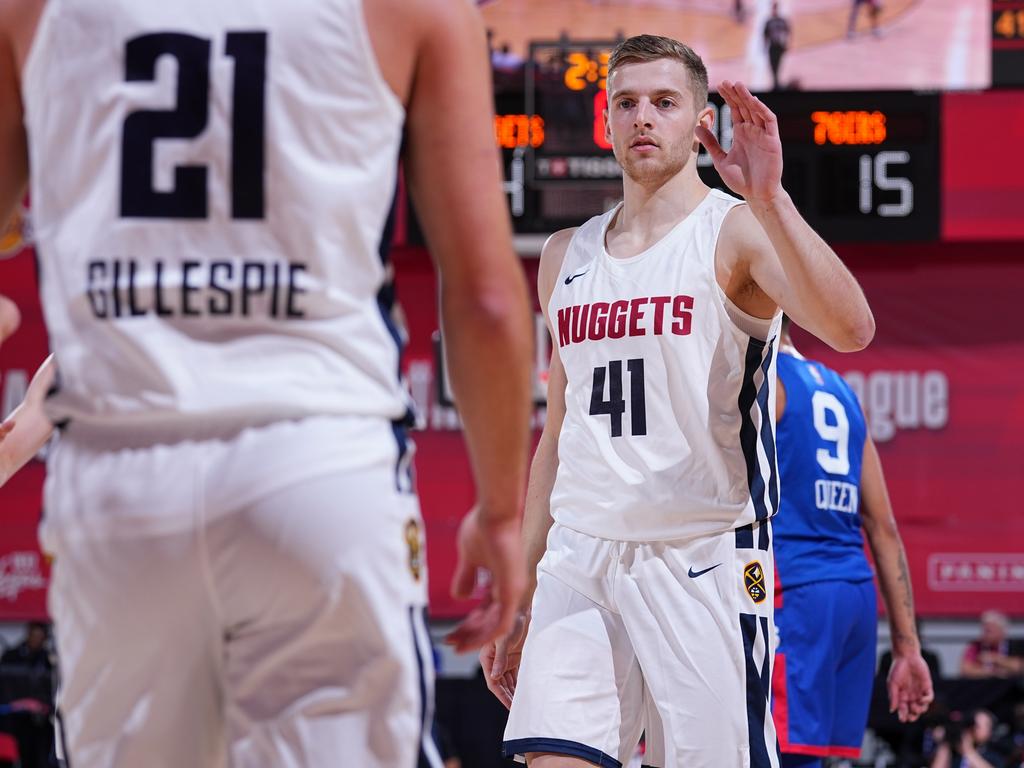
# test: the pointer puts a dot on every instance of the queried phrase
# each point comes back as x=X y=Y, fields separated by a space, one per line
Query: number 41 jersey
x=210 y=185
x=669 y=431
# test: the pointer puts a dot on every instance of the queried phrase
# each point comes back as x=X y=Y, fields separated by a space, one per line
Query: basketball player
x=832 y=485
x=654 y=481
x=238 y=572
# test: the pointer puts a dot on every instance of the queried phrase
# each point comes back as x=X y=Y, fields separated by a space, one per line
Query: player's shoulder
x=552 y=256
x=422 y=22
x=740 y=228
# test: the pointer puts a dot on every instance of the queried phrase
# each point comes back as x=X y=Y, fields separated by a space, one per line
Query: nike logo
x=570 y=278
x=694 y=574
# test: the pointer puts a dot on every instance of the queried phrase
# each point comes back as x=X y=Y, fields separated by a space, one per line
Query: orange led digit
x=576 y=74
x=851 y=127
x=511 y=131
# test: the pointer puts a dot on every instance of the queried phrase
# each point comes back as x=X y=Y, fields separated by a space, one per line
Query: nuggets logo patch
x=753 y=580
x=414 y=541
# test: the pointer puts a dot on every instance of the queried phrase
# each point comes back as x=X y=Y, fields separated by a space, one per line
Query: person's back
x=212 y=248
x=821 y=443
x=831 y=487
x=211 y=185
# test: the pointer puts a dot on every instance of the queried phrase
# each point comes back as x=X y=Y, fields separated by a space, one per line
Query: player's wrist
x=773 y=201
x=905 y=646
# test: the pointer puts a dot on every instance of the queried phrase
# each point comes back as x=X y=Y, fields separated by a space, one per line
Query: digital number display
x=511 y=131
x=1007 y=43
x=860 y=166
x=850 y=127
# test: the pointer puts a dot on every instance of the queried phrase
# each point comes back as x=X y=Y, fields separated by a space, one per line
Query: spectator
x=874 y=11
x=31 y=653
x=964 y=742
x=26 y=682
x=992 y=654
x=776 y=39
x=505 y=59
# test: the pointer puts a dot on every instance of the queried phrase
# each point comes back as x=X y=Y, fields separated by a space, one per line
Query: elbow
x=856 y=334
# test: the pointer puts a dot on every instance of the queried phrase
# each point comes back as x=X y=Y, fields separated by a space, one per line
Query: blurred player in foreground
x=238 y=577
x=832 y=486
x=647 y=525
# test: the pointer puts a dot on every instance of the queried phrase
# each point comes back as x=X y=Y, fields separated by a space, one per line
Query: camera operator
x=964 y=742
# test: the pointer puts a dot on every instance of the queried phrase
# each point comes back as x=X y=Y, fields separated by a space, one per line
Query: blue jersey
x=820 y=446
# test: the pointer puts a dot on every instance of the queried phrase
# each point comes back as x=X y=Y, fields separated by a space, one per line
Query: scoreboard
x=860 y=166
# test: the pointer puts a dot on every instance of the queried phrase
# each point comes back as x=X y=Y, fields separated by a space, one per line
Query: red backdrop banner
x=941 y=386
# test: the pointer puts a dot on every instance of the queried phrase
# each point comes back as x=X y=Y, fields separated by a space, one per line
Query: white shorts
x=669 y=639
x=254 y=602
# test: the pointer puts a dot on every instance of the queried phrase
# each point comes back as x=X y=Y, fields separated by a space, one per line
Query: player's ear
x=607 y=126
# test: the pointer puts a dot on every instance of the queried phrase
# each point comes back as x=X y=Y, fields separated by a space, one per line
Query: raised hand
x=910 y=687
x=752 y=168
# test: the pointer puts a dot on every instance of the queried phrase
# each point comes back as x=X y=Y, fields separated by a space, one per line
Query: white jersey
x=211 y=183
x=669 y=429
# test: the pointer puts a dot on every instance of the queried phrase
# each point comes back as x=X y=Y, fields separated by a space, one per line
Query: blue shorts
x=824 y=667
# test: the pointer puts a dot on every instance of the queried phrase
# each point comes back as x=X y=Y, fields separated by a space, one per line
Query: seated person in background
x=964 y=742
x=992 y=654
x=31 y=652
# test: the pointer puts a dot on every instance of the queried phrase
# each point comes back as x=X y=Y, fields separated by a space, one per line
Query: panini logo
x=17 y=234
x=753 y=580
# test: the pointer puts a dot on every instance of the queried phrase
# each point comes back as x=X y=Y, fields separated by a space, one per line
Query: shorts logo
x=753 y=580
x=414 y=540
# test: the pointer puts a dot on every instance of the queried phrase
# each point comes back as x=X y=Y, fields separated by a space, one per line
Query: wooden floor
x=923 y=43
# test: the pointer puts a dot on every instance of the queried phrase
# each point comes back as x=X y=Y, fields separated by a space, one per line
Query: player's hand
x=752 y=168
x=10 y=318
x=910 y=687
x=500 y=660
x=6 y=428
x=495 y=547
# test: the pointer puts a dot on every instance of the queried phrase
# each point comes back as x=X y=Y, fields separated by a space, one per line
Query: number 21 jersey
x=669 y=431
x=211 y=182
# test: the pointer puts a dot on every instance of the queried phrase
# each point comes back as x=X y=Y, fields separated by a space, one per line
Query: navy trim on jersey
x=767 y=433
x=559 y=747
x=404 y=480
x=758 y=682
x=745 y=537
x=758 y=357
x=386 y=299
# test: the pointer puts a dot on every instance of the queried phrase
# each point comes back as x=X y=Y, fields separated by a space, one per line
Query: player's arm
x=26 y=429
x=770 y=256
x=13 y=141
x=500 y=660
x=452 y=166
x=910 y=683
x=537 y=518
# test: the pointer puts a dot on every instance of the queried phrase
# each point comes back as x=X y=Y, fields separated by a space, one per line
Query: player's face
x=651 y=119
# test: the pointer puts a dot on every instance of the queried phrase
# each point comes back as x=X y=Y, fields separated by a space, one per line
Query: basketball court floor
x=923 y=44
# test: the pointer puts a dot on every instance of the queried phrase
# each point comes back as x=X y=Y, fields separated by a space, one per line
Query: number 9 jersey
x=821 y=444
x=669 y=429
x=211 y=183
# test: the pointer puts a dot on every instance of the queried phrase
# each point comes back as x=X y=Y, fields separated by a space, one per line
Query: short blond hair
x=654 y=47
